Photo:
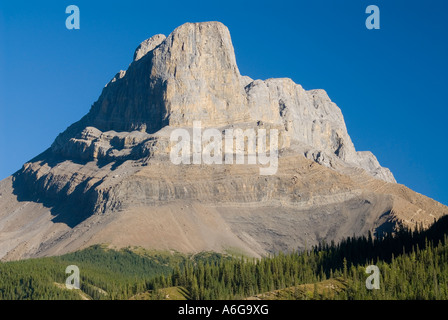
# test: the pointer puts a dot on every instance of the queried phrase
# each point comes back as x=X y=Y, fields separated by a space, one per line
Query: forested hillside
x=412 y=264
x=104 y=274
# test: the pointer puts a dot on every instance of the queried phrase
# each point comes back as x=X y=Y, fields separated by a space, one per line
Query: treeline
x=360 y=250
x=104 y=274
x=419 y=274
x=413 y=265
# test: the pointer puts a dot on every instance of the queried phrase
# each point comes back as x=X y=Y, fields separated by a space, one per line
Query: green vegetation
x=412 y=264
x=327 y=289
x=170 y=293
x=104 y=274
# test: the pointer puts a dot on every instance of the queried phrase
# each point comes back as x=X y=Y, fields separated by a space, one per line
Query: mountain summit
x=108 y=178
x=192 y=75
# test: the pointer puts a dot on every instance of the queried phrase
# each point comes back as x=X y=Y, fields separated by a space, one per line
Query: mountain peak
x=108 y=178
x=192 y=75
x=148 y=45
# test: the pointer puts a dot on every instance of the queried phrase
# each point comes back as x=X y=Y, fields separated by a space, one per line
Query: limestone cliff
x=192 y=75
x=108 y=177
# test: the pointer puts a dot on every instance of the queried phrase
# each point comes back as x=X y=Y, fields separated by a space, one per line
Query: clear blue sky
x=391 y=84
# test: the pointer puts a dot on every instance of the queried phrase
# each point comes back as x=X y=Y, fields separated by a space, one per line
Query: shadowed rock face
x=108 y=178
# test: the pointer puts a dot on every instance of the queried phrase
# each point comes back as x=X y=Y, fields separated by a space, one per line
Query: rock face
x=148 y=45
x=192 y=75
x=108 y=177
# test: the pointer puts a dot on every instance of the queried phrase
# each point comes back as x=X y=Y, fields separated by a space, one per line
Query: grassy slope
x=324 y=289
x=310 y=291
x=170 y=293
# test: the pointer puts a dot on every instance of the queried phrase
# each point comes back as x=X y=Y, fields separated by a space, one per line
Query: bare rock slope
x=108 y=178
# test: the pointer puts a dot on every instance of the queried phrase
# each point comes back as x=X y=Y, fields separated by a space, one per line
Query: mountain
x=110 y=177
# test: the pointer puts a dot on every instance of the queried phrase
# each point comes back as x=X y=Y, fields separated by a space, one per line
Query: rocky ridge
x=108 y=177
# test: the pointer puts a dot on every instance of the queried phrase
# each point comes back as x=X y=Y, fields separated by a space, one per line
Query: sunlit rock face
x=108 y=178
